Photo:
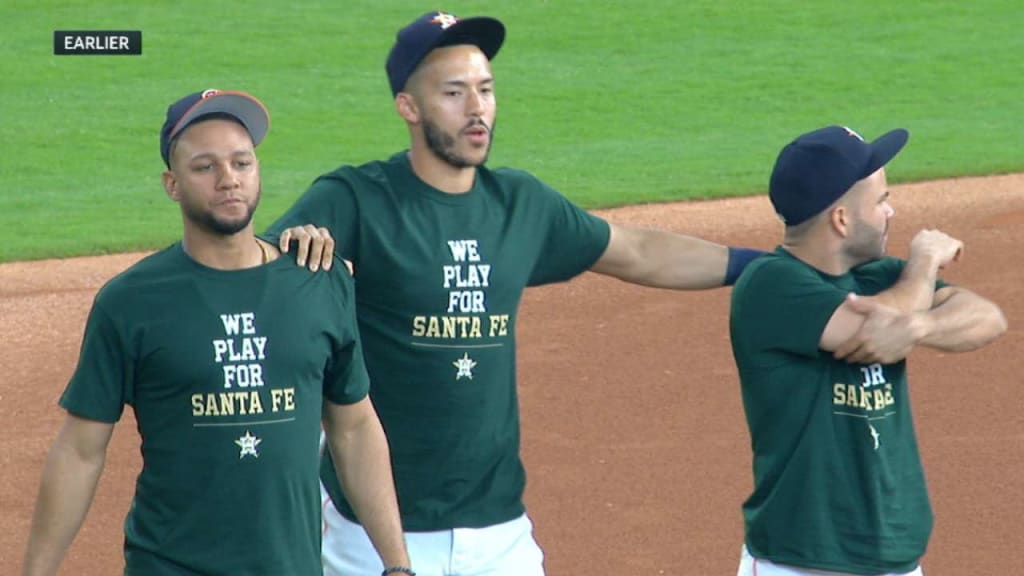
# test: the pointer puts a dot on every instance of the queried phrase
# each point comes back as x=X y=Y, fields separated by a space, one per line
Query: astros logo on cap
x=210 y=92
x=445 y=20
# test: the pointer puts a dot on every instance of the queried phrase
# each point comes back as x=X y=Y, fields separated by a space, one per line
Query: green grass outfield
x=610 y=102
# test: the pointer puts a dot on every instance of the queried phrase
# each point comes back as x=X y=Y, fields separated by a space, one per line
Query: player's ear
x=170 y=185
x=839 y=218
x=406 y=106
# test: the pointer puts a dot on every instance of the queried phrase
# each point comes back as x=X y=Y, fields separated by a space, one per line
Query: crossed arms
x=884 y=328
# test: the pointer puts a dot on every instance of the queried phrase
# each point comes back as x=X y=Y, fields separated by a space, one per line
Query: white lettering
x=243 y=375
x=873 y=375
x=466 y=302
x=231 y=322
x=219 y=348
x=475 y=276
x=463 y=249
x=248 y=323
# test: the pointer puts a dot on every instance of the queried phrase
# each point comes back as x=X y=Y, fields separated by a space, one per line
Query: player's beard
x=866 y=243
x=210 y=222
x=443 y=145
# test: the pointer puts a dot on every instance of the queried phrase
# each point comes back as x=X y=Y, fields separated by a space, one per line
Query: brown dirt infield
x=633 y=431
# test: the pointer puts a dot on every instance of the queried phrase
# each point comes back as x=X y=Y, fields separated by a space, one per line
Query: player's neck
x=227 y=252
x=440 y=174
x=819 y=254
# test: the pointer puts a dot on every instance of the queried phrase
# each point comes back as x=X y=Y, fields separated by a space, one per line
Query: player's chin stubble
x=221 y=226
x=867 y=244
x=443 y=145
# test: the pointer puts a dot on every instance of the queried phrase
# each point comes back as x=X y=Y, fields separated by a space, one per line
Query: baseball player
x=231 y=358
x=443 y=248
x=820 y=329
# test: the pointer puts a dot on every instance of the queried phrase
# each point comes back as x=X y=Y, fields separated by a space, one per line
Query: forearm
x=963 y=322
x=915 y=290
x=690 y=263
x=663 y=259
x=65 y=495
x=363 y=464
x=682 y=262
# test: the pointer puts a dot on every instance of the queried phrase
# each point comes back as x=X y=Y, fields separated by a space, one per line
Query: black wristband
x=398 y=570
x=738 y=260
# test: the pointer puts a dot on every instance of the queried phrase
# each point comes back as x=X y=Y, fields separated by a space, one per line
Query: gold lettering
x=282 y=395
x=227 y=404
x=851 y=395
x=879 y=399
x=839 y=394
x=255 y=404
x=889 y=401
x=499 y=325
x=432 y=328
x=448 y=323
x=211 y=406
x=451 y=327
x=462 y=321
x=865 y=399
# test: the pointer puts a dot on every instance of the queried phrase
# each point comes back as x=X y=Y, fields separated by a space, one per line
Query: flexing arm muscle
x=662 y=259
x=71 y=473
x=930 y=250
x=961 y=321
x=915 y=289
x=843 y=325
x=958 y=321
x=362 y=461
x=914 y=292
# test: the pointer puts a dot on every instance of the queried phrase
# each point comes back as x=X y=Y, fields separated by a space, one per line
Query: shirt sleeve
x=785 y=307
x=346 y=380
x=574 y=239
x=104 y=377
x=330 y=203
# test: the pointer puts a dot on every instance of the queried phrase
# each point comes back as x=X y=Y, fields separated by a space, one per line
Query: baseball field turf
x=611 y=102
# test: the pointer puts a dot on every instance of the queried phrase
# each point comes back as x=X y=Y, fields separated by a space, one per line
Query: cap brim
x=249 y=111
x=885 y=148
x=486 y=33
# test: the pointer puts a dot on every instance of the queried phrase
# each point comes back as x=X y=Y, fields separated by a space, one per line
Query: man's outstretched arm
x=663 y=259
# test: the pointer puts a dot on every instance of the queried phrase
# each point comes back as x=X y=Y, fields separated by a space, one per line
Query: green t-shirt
x=838 y=481
x=226 y=372
x=439 y=278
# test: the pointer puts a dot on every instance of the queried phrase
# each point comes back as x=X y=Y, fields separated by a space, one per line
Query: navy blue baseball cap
x=434 y=30
x=818 y=167
x=245 y=108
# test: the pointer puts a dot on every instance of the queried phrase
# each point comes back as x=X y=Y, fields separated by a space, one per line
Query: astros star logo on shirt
x=248 y=444
x=465 y=366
